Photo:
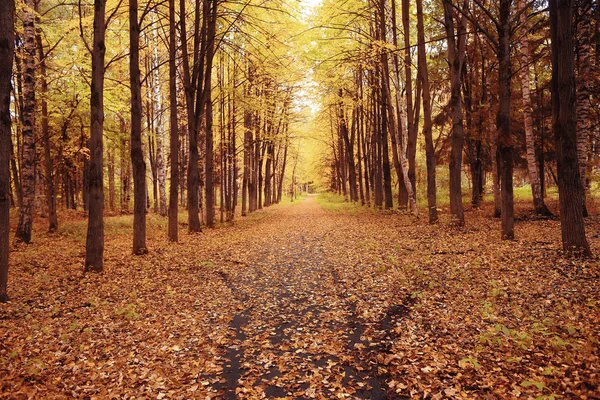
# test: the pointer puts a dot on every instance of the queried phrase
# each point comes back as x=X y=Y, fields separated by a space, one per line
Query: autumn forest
x=299 y=199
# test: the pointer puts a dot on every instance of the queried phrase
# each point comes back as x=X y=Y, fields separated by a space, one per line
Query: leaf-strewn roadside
x=305 y=303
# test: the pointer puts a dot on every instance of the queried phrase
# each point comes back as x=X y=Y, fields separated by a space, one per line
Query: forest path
x=297 y=334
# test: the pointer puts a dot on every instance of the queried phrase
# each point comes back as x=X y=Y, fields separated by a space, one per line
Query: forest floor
x=309 y=300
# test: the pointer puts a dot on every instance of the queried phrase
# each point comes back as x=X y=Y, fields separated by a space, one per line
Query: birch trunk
x=532 y=164
x=583 y=82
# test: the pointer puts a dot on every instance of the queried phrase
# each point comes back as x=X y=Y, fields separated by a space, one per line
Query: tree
x=7 y=42
x=564 y=124
x=505 y=139
x=28 y=169
x=48 y=160
x=427 y=124
x=94 y=248
x=137 y=154
x=174 y=129
x=456 y=55
x=532 y=163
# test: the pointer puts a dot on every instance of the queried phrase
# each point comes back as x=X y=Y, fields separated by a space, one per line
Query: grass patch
x=336 y=203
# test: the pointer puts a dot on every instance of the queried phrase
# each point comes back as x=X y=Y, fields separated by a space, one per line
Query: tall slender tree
x=94 y=248
x=564 y=122
x=174 y=128
x=532 y=163
x=28 y=169
x=427 y=123
x=137 y=154
x=456 y=55
x=7 y=42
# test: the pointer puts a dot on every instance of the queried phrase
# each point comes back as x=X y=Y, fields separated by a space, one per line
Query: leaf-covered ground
x=303 y=302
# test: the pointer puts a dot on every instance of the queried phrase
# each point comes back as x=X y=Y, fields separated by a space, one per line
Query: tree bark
x=532 y=164
x=173 y=128
x=161 y=169
x=48 y=161
x=7 y=42
x=564 y=122
x=28 y=170
x=137 y=154
x=94 y=254
x=505 y=140
x=411 y=126
x=456 y=54
x=427 y=123
x=209 y=156
x=583 y=83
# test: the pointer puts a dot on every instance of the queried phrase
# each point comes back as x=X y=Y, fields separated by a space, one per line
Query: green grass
x=336 y=203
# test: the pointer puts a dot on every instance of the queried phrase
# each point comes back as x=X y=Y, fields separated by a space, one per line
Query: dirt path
x=298 y=334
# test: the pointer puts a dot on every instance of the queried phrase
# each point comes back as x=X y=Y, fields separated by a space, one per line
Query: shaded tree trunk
x=209 y=156
x=532 y=164
x=111 y=179
x=564 y=121
x=24 y=227
x=427 y=124
x=137 y=154
x=505 y=140
x=456 y=55
x=48 y=161
x=94 y=254
x=173 y=128
x=583 y=83
x=7 y=29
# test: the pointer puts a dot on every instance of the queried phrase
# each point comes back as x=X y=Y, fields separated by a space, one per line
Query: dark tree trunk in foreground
x=505 y=141
x=94 y=247
x=174 y=131
x=209 y=156
x=24 y=227
x=427 y=123
x=137 y=155
x=564 y=122
x=456 y=54
x=7 y=20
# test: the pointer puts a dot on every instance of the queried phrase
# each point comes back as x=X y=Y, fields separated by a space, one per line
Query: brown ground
x=299 y=302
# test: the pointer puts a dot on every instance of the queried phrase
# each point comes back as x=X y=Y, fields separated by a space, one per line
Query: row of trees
x=467 y=64
x=206 y=112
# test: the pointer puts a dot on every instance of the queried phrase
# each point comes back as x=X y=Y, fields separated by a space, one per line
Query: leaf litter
x=306 y=303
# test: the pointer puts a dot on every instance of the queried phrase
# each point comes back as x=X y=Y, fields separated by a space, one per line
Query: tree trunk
x=111 y=179
x=7 y=25
x=137 y=154
x=456 y=54
x=583 y=83
x=505 y=140
x=427 y=124
x=209 y=157
x=564 y=121
x=532 y=164
x=48 y=161
x=94 y=254
x=23 y=233
x=411 y=126
x=15 y=172
x=173 y=128
x=161 y=169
